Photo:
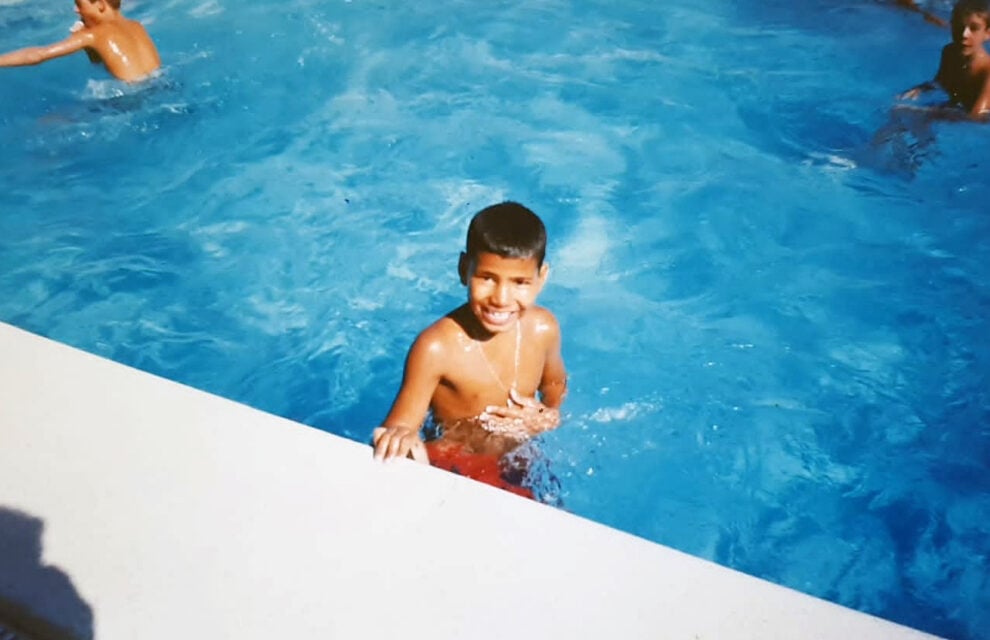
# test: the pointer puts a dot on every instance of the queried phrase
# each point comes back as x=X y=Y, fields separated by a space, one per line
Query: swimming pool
x=775 y=329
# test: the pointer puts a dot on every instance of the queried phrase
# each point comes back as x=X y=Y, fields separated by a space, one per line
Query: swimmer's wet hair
x=965 y=8
x=113 y=3
x=507 y=229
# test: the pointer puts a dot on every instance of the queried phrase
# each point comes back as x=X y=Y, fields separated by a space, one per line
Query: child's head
x=966 y=10
x=89 y=6
x=502 y=265
x=93 y=11
x=509 y=230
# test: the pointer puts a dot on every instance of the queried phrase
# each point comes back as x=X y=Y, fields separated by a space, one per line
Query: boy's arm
x=981 y=107
x=398 y=436
x=36 y=55
x=553 y=384
x=929 y=85
x=917 y=90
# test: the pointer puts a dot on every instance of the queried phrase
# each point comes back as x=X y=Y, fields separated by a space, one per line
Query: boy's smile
x=500 y=289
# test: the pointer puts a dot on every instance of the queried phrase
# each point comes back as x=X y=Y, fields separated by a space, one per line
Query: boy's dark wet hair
x=509 y=230
x=113 y=3
x=964 y=8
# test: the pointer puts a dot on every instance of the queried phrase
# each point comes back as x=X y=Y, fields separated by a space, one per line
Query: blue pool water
x=775 y=321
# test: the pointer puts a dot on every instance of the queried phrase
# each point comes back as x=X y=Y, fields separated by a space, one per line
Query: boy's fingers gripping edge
x=399 y=444
x=385 y=442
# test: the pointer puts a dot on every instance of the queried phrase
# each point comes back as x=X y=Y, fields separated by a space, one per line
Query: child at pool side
x=964 y=70
x=122 y=45
x=491 y=370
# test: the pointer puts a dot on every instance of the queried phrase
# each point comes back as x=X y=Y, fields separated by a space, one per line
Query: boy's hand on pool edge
x=398 y=442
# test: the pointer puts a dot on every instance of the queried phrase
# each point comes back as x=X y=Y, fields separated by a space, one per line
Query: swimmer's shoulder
x=442 y=335
x=542 y=320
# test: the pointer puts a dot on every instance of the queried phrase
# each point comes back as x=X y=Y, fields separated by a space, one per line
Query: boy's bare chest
x=500 y=369
x=962 y=82
x=965 y=72
x=481 y=374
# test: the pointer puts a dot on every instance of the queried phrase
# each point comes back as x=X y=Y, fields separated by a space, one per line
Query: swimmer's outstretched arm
x=929 y=85
x=915 y=91
x=36 y=55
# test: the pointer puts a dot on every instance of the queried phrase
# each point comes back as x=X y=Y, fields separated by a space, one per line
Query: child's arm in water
x=540 y=414
x=36 y=55
x=929 y=85
x=981 y=107
x=914 y=92
x=398 y=436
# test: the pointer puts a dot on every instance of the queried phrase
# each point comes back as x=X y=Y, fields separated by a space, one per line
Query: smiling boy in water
x=122 y=45
x=964 y=70
x=490 y=371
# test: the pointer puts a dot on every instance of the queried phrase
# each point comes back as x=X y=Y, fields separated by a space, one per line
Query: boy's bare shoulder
x=544 y=321
x=441 y=336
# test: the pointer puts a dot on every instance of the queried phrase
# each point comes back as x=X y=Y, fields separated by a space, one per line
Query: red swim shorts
x=477 y=466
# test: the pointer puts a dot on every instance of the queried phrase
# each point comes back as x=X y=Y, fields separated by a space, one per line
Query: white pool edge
x=173 y=511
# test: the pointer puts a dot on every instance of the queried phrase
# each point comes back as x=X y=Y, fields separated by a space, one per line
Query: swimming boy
x=122 y=45
x=491 y=370
x=964 y=70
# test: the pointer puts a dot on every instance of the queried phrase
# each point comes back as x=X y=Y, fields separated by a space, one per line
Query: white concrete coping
x=175 y=513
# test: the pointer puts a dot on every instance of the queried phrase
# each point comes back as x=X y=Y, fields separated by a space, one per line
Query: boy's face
x=500 y=289
x=970 y=32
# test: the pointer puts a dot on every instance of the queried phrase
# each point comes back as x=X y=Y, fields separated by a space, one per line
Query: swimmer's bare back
x=125 y=48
